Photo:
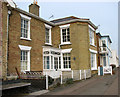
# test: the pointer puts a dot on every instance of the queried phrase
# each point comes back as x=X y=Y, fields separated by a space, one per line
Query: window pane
x=46 y=62
x=24 y=60
x=66 y=35
x=47 y=36
x=92 y=60
x=24 y=28
x=59 y=62
x=91 y=36
x=51 y=62
x=66 y=60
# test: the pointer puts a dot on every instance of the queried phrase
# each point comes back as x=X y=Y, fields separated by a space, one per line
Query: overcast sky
x=104 y=14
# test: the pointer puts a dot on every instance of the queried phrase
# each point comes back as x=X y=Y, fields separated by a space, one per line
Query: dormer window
x=65 y=34
x=48 y=34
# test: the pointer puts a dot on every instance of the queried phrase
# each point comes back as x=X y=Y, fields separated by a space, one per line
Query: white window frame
x=105 y=42
x=26 y=48
x=93 y=35
x=50 y=36
x=93 y=52
x=62 y=64
x=64 y=27
x=26 y=18
x=51 y=55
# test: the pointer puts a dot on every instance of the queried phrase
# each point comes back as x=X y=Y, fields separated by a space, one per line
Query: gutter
x=32 y=15
x=77 y=20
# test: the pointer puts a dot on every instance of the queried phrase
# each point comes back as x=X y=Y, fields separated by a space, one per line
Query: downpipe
x=8 y=17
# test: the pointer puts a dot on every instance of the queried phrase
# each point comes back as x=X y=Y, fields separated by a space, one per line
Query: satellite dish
x=12 y=4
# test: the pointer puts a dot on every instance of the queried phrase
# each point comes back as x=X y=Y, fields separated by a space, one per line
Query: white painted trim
x=28 y=69
x=91 y=27
x=24 y=38
x=66 y=69
x=12 y=4
x=93 y=45
x=61 y=27
x=24 y=16
x=66 y=50
x=24 y=47
x=65 y=43
x=94 y=68
x=28 y=18
x=48 y=26
x=93 y=51
x=65 y=26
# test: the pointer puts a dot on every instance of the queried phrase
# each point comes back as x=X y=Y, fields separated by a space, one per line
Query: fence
x=105 y=70
x=64 y=75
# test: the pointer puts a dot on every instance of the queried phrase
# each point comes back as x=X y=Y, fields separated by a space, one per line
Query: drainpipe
x=8 y=17
x=59 y=46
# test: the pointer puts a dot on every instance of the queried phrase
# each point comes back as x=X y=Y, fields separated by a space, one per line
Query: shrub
x=69 y=81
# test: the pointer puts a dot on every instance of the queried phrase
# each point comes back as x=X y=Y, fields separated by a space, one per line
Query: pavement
x=37 y=93
x=99 y=85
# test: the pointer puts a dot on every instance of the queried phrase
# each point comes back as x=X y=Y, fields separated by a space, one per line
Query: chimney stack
x=34 y=8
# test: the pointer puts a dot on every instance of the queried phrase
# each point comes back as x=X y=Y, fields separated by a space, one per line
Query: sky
x=100 y=13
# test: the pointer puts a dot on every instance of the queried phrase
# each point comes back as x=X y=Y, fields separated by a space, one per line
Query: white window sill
x=65 y=43
x=93 y=45
x=25 y=38
x=93 y=68
x=48 y=43
x=66 y=69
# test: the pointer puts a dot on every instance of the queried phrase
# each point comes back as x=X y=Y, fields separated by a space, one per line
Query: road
x=98 y=85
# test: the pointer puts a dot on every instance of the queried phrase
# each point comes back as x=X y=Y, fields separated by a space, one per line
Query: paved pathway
x=100 y=85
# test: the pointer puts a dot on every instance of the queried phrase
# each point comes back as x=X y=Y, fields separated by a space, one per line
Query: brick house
x=31 y=43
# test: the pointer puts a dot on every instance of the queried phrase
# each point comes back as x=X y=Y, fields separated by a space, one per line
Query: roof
x=71 y=19
x=66 y=19
x=108 y=38
x=98 y=34
x=35 y=16
x=57 y=21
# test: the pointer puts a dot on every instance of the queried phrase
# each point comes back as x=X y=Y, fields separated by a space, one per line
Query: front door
x=104 y=60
